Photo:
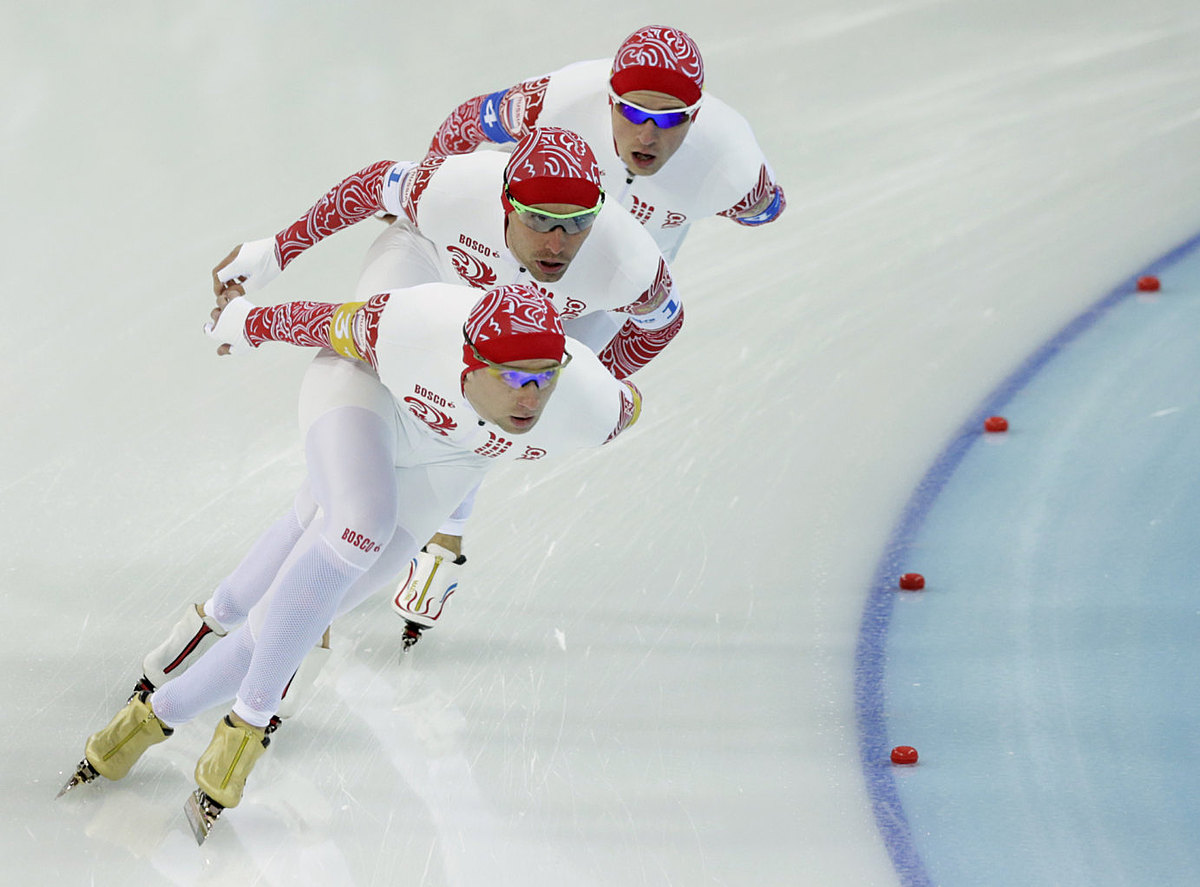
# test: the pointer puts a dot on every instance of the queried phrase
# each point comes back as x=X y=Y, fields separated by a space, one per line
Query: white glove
x=230 y=328
x=256 y=262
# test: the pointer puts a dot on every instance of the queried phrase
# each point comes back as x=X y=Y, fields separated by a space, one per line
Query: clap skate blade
x=83 y=774
x=202 y=811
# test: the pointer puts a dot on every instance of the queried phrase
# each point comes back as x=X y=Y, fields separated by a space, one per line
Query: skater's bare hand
x=223 y=300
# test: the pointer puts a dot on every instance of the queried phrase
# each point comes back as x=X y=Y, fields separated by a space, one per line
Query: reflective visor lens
x=638 y=115
x=517 y=378
x=521 y=378
x=662 y=119
x=544 y=222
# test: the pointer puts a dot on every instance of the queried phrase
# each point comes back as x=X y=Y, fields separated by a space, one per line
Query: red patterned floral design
x=553 y=165
x=633 y=347
x=308 y=324
x=532 y=454
x=641 y=210
x=572 y=308
x=631 y=408
x=366 y=332
x=519 y=107
x=470 y=269
x=416 y=183
x=437 y=421
x=461 y=132
x=495 y=447
x=351 y=200
x=512 y=310
x=763 y=188
x=298 y=323
x=674 y=220
x=654 y=297
x=663 y=59
x=522 y=106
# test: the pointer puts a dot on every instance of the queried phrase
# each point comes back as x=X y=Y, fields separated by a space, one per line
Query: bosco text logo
x=359 y=541
x=482 y=248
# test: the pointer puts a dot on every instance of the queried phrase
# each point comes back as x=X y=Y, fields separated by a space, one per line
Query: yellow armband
x=341 y=331
x=637 y=403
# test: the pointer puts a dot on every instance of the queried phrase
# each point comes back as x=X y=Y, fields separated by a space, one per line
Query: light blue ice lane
x=1048 y=674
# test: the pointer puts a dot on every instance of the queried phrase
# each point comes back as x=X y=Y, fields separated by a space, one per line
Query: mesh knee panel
x=301 y=608
x=243 y=588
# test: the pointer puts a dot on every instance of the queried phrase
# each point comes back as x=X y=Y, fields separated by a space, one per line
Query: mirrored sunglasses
x=544 y=222
x=638 y=115
x=514 y=377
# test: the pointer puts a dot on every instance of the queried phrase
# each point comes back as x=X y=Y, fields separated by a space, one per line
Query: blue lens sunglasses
x=638 y=115
x=514 y=377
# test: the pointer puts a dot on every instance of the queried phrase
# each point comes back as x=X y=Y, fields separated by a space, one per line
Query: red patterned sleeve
x=351 y=200
x=497 y=117
x=351 y=328
x=763 y=203
x=461 y=132
x=631 y=408
x=656 y=318
x=633 y=347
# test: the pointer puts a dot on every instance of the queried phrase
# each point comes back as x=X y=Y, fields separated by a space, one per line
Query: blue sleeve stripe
x=489 y=119
x=773 y=209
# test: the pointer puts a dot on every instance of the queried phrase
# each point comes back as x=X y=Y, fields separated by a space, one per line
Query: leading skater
x=469 y=384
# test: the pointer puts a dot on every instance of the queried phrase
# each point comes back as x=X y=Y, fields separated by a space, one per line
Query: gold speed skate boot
x=234 y=750
x=113 y=750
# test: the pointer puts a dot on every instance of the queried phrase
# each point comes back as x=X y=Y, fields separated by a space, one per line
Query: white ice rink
x=649 y=679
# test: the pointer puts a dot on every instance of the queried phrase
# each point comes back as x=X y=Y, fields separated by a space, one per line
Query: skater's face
x=546 y=255
x=515 y=410
x=646 y=147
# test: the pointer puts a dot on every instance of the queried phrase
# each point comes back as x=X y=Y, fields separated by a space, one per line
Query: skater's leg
x=212 y=680
x=249 y=581
x=351 y=457
x=203 y=624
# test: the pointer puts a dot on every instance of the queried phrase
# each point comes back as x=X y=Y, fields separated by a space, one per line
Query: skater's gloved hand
x=229 y=323
x=249 y=267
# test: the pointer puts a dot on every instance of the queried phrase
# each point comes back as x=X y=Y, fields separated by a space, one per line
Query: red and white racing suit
x=383 y=473
x=719 y=169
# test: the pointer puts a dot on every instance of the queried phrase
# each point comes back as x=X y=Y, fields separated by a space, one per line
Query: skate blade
x=83 y=774
x=201 y=812
x=412 y=634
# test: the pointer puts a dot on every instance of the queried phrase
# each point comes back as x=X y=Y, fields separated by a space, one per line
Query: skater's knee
x=359 y=527
x=359 y=542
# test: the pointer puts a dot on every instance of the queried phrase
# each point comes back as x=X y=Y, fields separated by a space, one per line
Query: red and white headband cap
x=661 y=59
x=513 y=322
x=552 y=165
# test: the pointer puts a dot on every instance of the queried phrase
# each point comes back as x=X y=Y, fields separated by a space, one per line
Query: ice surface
x=650 y=678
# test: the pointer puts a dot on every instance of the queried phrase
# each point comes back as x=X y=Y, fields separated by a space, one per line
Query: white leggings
x=298 y=576
x=352 y=529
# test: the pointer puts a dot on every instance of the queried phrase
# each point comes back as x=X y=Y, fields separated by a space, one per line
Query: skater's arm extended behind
x=348 y=327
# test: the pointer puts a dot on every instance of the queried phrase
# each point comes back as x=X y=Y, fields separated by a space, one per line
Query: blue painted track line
x=870 y=653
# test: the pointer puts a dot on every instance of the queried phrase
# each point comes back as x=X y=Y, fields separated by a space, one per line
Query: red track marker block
x=1148 y=284
x=995 y=424
x=904 y=754
x=912 y=582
